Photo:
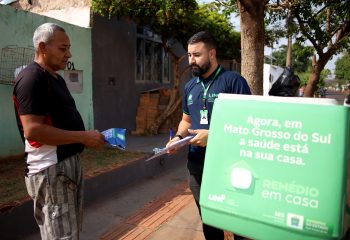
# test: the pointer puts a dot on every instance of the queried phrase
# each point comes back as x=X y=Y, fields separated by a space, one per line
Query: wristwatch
x=179 y=136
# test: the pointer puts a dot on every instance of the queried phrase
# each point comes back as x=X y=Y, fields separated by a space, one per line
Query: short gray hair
x=44 y=33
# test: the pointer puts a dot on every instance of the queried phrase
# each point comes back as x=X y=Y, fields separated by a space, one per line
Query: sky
x=267 y=50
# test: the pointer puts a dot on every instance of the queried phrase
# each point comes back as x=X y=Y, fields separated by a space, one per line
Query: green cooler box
x=277 y=168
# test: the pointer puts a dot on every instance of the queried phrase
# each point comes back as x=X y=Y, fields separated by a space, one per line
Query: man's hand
x=200 y=138
x=172 y=141
x=93 y=139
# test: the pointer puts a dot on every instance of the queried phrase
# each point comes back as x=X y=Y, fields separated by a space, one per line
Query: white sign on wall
x=74 y=80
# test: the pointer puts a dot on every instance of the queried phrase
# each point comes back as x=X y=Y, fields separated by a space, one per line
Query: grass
x=12 y=187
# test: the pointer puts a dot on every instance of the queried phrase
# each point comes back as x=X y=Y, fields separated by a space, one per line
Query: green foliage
x=324 y=74
x=280 y=56
x=228 y=7
x=312 y=17
x=301 y=57
x=304 y=76
x=342 y=69
x=167 y=18
x=313 y=14
x=273 y=34
x=210 y=19
x=177 y=19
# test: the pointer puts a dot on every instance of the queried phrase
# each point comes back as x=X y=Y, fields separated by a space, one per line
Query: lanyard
x=205 y=89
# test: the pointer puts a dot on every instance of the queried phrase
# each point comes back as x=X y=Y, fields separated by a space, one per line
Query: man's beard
x=199 y=71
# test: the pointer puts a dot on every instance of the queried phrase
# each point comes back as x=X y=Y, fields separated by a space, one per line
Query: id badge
x=204 y=116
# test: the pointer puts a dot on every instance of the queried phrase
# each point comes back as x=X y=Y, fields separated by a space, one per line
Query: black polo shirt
x=220 y=81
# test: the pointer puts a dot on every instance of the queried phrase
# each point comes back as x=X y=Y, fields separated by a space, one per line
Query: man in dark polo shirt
x=209 y=80
x=54 y=136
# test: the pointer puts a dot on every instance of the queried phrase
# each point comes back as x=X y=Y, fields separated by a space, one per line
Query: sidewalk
x=173 y=215
x=143 y=200
x=145 y=143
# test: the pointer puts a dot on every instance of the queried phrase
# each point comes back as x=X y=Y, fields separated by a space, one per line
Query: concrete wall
x=16 y=28
x=76 y=12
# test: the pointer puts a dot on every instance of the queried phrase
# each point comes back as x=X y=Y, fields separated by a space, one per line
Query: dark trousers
x=210 y=233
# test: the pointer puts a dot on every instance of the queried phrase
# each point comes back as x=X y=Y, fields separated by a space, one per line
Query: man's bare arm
x=184 y=125
x=35 y=129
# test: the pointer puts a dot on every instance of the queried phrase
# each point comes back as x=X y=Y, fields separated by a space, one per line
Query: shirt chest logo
x=212 y=97
x=189 y=100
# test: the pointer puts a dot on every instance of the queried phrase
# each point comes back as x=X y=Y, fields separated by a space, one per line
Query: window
x=152 y=63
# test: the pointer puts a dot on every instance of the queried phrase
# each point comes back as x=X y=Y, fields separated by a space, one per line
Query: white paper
x=175 y=145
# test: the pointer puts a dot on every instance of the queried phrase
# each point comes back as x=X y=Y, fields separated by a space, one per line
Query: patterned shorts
x=57 y=193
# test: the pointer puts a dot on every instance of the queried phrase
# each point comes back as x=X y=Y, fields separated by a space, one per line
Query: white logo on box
x=241 y=178
x=217 y=198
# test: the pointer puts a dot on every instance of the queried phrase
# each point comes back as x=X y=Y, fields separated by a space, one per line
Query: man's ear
x=212 y=53
x=42 y=47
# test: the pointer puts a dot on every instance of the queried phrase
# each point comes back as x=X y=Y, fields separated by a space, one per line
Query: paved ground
x=157 y=208
x=145 y=143
x=159 y=214
x=339 y=96
x=155 y=219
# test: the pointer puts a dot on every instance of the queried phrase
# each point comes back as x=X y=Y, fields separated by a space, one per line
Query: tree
x=251 y=14
x=174 y=19
x=342 y=69
x=280 y=30
x=304 y=77
x=273 y=34
x=166 y=18
x=301 y=57
x=208 y=18
x=289 y=24
x=326 y=24
x=301 y=62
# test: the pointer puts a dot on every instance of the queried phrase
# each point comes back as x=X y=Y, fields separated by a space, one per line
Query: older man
x=54 y=136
